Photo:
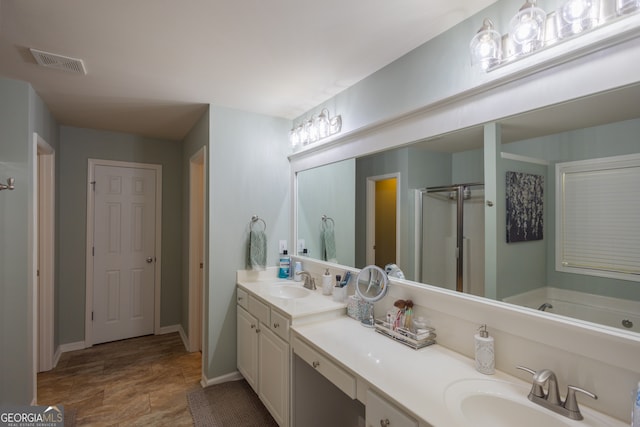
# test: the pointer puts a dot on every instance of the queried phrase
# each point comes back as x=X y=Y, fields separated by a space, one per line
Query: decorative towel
x=329 y=243
x=257 y=251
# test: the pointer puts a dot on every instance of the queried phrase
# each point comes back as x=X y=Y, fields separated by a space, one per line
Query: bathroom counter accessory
x=406 y=336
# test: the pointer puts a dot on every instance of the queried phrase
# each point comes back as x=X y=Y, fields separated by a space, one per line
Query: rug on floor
x=230 y=404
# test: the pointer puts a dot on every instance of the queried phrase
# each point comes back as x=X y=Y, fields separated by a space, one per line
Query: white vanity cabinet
x=263 y=353
x=382 y=413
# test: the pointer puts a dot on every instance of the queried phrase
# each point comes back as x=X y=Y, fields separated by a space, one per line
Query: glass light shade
x=310 y=131
x=322 y=123
x=627 y=6
x=485 y=47
x=335 y=124
x=576 y=16
x=294 y=138
x=526 y=29
x=302 y=134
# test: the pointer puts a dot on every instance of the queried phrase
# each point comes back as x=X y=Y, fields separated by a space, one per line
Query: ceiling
x=154 y=65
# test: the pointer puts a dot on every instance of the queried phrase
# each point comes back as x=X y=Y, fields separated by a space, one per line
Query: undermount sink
x=287 y=291
x=495 y=403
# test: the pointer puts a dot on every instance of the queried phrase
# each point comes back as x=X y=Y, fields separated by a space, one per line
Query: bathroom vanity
x=285 y=330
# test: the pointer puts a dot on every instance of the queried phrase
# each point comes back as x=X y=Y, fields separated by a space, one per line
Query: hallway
x=139 y=381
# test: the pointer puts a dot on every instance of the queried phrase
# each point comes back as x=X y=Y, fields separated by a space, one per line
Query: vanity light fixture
x=526 y=28
x=315 y=128
x=532 y=29
x=576 y=16
x=486 y=46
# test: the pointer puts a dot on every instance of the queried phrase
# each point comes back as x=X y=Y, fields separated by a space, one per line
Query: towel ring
x=325 y=221
x=256 y=218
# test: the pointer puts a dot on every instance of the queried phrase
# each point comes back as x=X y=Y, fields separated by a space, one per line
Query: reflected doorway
x=383 y=209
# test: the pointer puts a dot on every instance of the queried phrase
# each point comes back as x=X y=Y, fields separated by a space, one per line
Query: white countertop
x=313 y=304
x=415 y=380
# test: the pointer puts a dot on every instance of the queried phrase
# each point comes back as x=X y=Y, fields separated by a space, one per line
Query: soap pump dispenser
x=485 y=356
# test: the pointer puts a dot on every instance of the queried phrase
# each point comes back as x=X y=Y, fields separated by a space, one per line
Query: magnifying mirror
x=372 y=285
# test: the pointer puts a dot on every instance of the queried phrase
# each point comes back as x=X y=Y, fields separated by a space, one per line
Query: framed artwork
x=525 y=207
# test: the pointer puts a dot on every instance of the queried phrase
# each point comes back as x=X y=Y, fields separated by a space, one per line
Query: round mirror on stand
x=372 y=285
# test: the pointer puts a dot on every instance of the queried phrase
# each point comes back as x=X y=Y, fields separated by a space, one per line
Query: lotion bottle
x=485 y=355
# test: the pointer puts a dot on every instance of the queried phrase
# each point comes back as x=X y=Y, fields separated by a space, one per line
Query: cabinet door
x=273 y=371
x=381 y=413
x=247 y=338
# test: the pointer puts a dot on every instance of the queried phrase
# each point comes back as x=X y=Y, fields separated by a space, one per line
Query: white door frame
x=371 y=215
x=197 y=192
x=43 y=255
x=88 y=328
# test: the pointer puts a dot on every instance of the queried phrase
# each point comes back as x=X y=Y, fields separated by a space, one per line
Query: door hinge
x=92 y=316
x=93 y=251
x=93 y=186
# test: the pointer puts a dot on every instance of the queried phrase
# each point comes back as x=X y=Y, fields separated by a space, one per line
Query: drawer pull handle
x=276 y=325
x=384 y=423
x=315 y=363
x=253 y=326
x=257 y=330
x=240 y=298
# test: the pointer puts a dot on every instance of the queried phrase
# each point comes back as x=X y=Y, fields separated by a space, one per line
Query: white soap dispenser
x=485 y=356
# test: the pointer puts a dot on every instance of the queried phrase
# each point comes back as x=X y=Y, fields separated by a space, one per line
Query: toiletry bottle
x=285 y=265
x=326 y=283
x=485 y=356
x=635 y=413
x=297 y=270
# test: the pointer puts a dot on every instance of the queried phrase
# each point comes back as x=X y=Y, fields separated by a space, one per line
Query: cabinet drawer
x=334 y=373
x=242 y=298
x=260 y=310
x=381 y=412
x=280 y=325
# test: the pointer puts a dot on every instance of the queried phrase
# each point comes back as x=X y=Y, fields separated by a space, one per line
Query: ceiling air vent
x=59 y=62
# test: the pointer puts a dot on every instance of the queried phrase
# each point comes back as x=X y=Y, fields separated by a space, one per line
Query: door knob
x=149 y=259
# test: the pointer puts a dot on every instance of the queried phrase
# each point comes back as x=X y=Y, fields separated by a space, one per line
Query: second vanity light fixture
x=315 y=128
x=532 y=29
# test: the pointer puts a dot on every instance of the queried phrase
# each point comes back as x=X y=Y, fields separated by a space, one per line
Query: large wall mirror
x=437 y=198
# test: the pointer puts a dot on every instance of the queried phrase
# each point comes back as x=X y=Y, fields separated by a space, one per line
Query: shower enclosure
x=450 y=225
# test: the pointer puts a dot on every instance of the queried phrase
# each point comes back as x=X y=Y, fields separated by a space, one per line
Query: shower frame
x=460 y=190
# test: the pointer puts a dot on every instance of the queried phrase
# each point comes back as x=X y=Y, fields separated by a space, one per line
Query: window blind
x=599 y=215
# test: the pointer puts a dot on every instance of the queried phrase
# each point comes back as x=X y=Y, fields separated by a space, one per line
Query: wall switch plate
x=300 y=245
x=282 y=246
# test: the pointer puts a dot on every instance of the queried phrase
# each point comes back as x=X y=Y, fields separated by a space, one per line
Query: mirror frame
x=486 y=105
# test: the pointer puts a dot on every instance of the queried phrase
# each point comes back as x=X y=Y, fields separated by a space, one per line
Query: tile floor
x=136 y=382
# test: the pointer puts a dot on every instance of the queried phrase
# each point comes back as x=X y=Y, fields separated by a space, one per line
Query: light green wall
x=601 y=141
x=328 y=190
x=21 y=114
x=77 y=145
x=197 y=138
x=248 y=175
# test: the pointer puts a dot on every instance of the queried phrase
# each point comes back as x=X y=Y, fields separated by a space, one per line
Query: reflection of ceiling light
x=526 y=29
x=485 y=46
x=314 y=129
x=576 y=16
x=627 y=6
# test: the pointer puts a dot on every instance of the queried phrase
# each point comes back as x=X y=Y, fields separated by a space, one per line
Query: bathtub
x=614 y=312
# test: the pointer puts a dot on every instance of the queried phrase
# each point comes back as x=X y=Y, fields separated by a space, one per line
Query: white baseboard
x=176 y=328
x=233 y=376
x=65 y=348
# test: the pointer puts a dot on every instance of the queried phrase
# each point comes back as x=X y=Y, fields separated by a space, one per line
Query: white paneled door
x=123 y=258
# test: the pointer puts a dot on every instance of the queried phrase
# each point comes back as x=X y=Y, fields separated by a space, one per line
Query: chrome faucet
x=544 y=306
x=309 y=282
x=551 y=399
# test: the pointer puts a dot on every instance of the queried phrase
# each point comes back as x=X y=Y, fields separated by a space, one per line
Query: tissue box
x=355 y=307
